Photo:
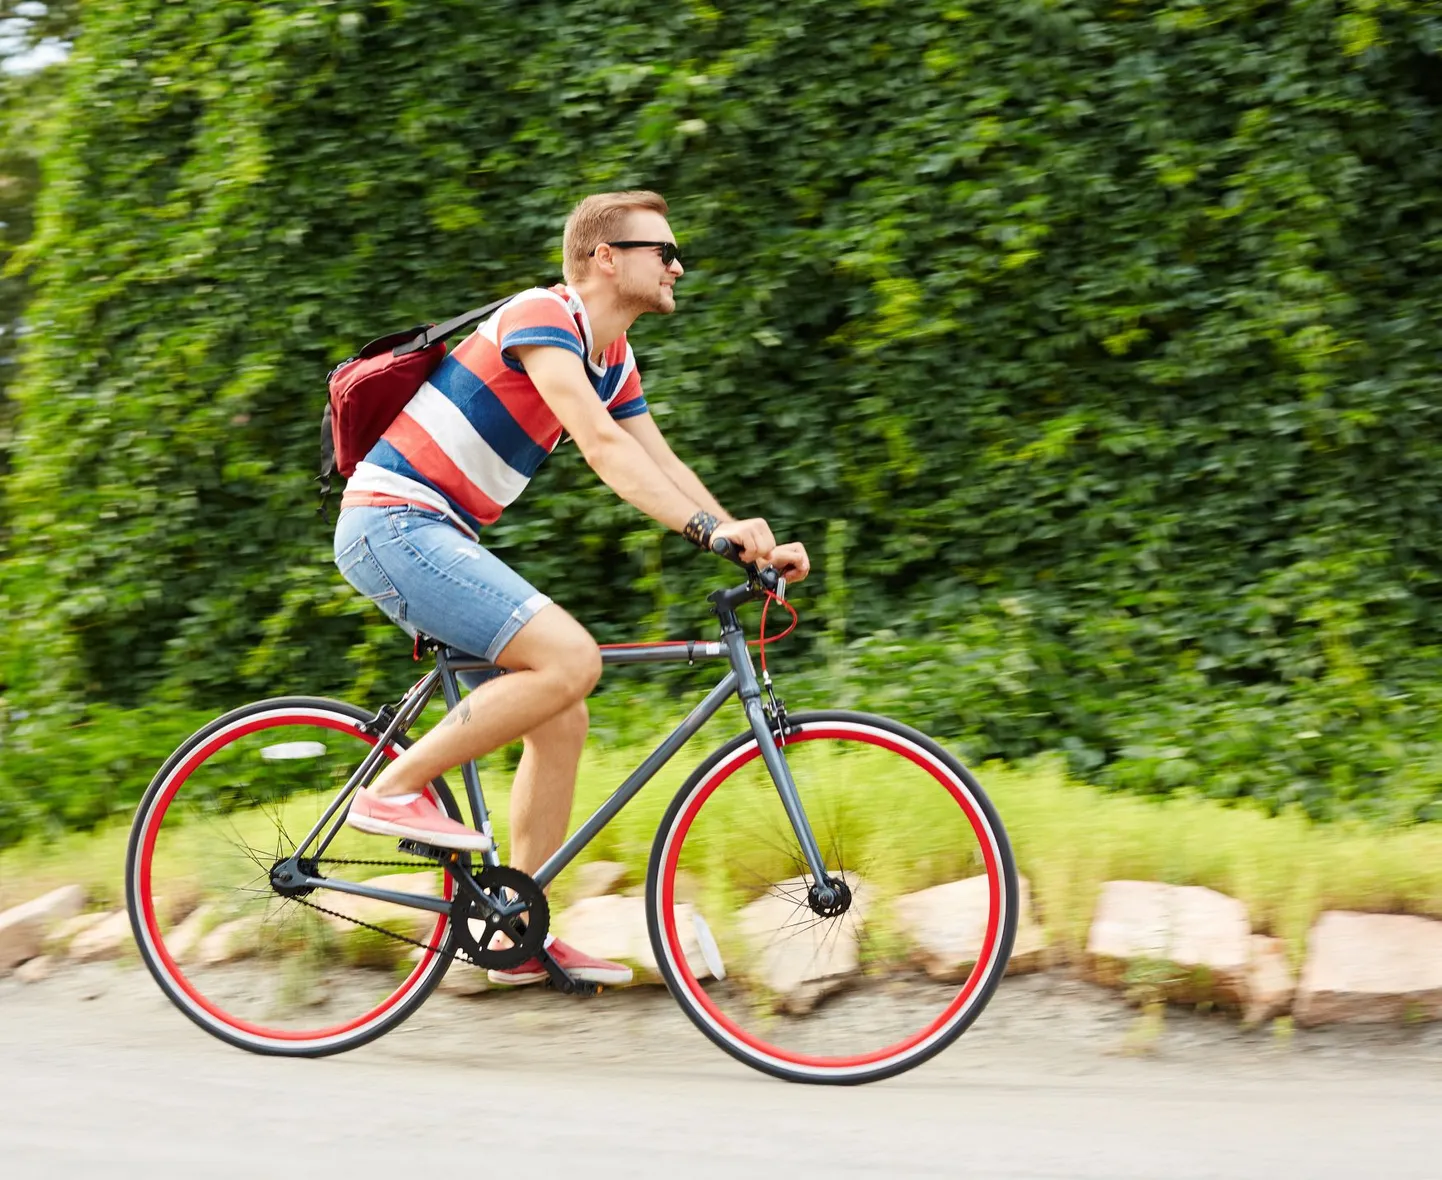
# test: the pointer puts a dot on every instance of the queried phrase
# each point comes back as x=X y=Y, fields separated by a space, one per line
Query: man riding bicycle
x=550 y=361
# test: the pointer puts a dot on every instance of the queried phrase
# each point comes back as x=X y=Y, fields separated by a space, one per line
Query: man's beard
x=648 y=297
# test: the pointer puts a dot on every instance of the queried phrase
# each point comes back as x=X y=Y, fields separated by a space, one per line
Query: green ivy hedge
x=1096 y=342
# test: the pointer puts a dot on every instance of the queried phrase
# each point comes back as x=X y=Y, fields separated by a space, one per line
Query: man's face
x=643 y=281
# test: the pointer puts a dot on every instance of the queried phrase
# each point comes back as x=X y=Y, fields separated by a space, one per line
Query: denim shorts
x=429 y=577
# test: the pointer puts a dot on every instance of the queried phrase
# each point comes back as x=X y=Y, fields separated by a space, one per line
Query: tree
x=1108 y=332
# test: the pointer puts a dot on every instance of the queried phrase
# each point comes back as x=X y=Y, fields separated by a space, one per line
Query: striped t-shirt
x=473 y=435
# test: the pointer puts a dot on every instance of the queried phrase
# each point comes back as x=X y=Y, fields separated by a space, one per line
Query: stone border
x=1152 y=941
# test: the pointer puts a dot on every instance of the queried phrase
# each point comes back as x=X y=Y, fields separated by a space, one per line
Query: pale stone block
x=595 y=879
x=947 y=924
x=61 y=937
x=24 y=928
x=35 y=970
x=229 y=942
x=105 y=939
x=1270 y=982
x=1192 y=944
x=1367 y=968
x=185 y=938
x=802 y=962
x=613 y=927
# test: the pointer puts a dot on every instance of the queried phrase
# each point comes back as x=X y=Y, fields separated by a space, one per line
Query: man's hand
x=758 y=545
x=754 y=537
x=791 y=561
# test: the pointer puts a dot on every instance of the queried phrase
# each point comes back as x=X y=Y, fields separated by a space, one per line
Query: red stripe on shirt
x=538 y=312
x=515 y=391
x=424 y=454
x=630 y=390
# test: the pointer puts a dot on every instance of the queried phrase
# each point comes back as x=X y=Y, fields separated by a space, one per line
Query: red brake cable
x=763 y=641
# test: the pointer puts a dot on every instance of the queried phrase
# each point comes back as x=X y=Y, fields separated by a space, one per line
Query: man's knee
x=585 y=673
x=574 y=672
x=554 y=644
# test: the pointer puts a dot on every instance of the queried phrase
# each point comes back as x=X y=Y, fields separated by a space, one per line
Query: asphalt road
x=99 y=1077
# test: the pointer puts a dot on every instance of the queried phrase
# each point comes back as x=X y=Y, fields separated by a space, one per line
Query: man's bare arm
x=790 y=559
x=644 y=430
x=621 y=462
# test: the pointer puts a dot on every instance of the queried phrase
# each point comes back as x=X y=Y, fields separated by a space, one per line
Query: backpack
x=368 y=391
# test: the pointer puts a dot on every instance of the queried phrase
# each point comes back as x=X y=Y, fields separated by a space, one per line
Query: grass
x=1069 y=839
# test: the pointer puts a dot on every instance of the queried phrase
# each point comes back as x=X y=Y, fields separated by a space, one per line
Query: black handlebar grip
x=727 y=548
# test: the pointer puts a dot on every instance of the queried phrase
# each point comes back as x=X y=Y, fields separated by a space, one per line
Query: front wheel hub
x=831 y=898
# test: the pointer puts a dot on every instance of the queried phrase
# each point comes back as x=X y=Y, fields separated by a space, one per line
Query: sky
x=42 y=55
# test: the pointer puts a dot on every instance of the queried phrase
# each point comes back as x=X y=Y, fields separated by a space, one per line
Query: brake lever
x=768 y=579
x=727 y=548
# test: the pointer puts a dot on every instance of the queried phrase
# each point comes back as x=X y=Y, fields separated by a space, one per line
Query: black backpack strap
x=449 y=328
x=327 y=463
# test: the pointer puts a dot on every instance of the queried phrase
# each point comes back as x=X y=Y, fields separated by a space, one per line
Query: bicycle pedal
x=577 y=987
x=428 y=851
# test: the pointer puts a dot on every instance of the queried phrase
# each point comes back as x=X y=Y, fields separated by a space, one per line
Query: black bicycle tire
x=986 y=989
x=402 y=1011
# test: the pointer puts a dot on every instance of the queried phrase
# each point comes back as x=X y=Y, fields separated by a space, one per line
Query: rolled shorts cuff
x=522 y=615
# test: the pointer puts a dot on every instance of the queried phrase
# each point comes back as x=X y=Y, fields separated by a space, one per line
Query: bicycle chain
x=458 y=954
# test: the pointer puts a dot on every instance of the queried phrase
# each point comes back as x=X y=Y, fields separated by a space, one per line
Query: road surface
x=100 y=1077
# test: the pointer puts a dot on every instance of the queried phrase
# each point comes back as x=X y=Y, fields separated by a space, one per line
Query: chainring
x=526 y=918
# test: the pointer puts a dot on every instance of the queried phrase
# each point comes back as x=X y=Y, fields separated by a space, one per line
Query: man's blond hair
x=600 y=218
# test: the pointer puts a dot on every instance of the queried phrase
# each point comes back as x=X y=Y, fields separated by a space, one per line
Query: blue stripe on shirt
x=383 y=454
x=631 y=409
x=541 y=334
x=488 y=414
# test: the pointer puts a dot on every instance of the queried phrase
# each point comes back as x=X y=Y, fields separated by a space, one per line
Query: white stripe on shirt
x=370 y=477
x=453 y=433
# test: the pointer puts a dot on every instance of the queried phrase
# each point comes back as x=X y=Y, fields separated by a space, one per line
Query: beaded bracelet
x=699 y=528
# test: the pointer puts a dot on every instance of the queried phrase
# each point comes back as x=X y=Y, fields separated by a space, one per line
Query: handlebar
x=768 y=579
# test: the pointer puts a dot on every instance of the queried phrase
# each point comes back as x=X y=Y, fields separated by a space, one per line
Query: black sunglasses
x=670 y=252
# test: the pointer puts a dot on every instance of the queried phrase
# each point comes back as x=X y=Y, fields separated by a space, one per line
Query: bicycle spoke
x=825 y=994
x=300 y=973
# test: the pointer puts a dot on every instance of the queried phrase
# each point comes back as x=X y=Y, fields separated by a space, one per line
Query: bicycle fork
x=826 y=893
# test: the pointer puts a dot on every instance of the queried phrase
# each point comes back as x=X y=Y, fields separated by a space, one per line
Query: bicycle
x=779 y=909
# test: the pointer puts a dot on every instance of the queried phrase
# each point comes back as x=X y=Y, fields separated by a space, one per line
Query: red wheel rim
x=156 y=816
x=980 y=828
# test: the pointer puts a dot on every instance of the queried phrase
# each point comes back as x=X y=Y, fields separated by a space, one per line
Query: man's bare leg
x=553 y=663
x=544 y=787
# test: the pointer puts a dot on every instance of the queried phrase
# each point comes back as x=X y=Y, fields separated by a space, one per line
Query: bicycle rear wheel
x=857 y=991
x=263 y=971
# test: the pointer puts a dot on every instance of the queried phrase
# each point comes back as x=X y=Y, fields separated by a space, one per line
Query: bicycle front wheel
x=862 y=988
x=298 y=973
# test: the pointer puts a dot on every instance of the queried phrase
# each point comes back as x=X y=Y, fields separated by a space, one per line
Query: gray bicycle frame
x=741 y=680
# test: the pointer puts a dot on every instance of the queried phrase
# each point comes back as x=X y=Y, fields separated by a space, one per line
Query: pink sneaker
x=577 y=966
x=420 y=820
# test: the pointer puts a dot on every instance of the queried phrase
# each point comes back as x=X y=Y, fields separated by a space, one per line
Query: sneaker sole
x=383 y=827
x=581 y=974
